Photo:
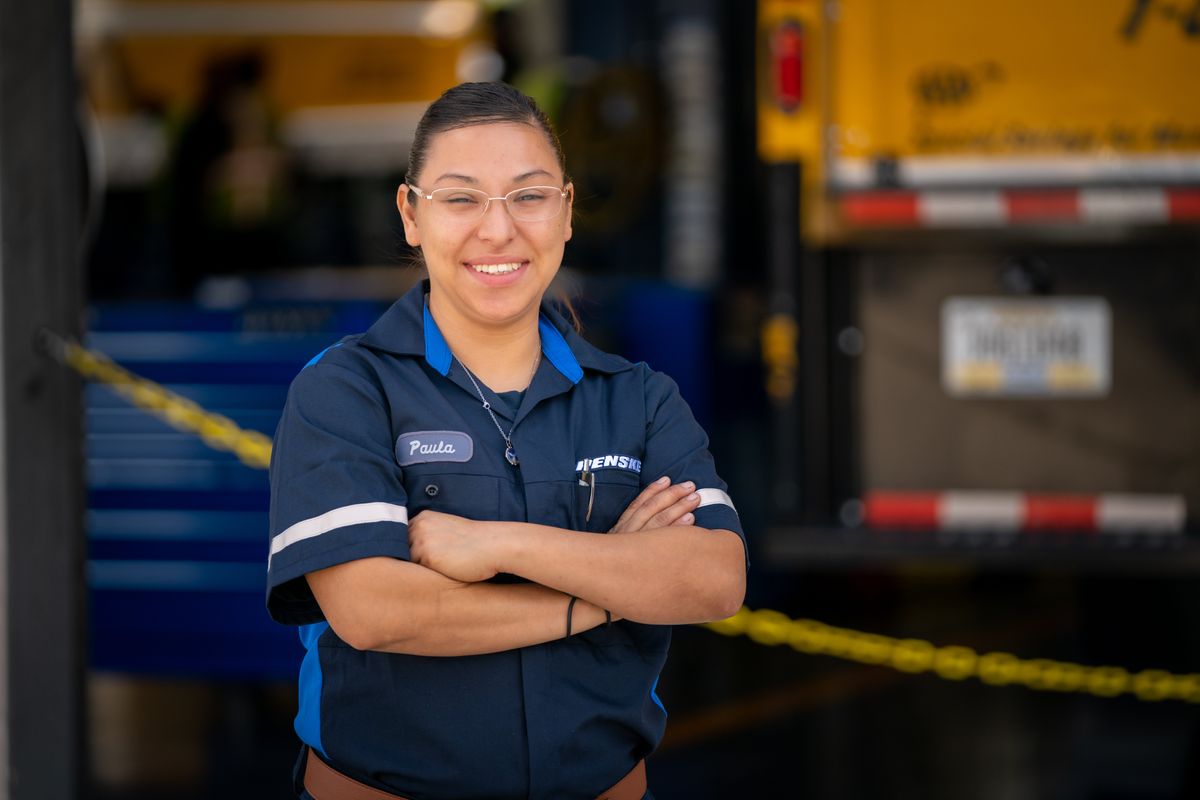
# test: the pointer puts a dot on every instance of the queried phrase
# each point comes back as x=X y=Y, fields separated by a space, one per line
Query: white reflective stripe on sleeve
x=358 y=514
x=713 y=497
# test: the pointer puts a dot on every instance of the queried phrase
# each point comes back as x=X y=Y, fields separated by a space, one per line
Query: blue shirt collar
x=437 y=352
x=407 y=328
x=558 y=352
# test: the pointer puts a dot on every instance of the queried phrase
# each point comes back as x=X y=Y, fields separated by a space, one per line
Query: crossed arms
x=655 y=566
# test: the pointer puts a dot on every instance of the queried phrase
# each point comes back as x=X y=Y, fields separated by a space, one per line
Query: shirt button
x=432 y=490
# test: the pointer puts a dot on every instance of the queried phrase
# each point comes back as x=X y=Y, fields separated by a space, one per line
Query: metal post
x=41 y=540
x=814 y=386
x=694 y=190
x=789 y=460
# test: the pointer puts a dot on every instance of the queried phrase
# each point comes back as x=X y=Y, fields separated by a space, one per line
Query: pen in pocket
x=588 y=478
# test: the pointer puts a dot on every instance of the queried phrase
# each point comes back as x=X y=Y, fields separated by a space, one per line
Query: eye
x=458 y=197
x=529 y=196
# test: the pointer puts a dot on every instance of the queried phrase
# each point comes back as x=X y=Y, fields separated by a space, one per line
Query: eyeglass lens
x=529 y=204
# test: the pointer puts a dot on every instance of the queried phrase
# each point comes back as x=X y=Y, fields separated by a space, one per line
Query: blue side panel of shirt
x=654 y=696
x=308 y=719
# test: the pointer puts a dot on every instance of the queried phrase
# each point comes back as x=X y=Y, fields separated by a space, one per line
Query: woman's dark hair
x=479 y=104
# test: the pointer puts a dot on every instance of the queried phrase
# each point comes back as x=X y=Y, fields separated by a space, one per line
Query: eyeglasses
x=530 y=204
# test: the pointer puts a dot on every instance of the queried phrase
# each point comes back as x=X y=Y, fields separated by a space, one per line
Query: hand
x=658 y=506
x=459 y=548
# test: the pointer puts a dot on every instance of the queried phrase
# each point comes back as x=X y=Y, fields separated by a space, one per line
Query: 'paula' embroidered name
x=418 y=447
x=430 y=449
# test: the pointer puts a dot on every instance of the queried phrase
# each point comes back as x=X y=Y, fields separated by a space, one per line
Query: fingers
x=643 y=497
x=658 y=509
x=678 y=513
x=646 y=494
x=663 y=501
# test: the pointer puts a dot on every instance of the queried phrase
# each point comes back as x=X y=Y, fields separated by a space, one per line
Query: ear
x=408 y=215
x=570 y=189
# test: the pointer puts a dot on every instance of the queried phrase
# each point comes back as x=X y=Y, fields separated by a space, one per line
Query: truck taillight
x=787 y=64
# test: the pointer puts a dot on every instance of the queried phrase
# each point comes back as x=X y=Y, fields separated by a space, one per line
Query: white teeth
x=497 y=269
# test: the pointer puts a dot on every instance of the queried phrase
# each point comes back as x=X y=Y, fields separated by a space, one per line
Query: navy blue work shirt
x=386 y=424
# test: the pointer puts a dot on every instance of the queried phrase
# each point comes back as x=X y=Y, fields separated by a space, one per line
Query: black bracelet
x=570 y=608
x=607 y=618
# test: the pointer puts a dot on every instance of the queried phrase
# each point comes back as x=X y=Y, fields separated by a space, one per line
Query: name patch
x=609 y=462
x=418 y=447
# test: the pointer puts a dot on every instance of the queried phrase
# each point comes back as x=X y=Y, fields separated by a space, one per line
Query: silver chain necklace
x=510 y=455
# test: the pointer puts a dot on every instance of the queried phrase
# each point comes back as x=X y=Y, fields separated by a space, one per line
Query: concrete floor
x=753 y=721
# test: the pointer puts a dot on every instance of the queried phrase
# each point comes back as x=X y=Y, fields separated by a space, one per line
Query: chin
x=500 y=310
x=507 y=304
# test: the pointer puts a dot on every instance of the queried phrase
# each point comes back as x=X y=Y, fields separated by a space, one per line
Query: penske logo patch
x=614 y=461
x=418 y=447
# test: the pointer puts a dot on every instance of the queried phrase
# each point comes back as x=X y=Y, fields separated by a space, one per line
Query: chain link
x=219 y=432
x=954 y=662
x=764 y=626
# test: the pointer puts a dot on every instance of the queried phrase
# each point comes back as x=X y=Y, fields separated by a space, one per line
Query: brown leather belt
x=324 y=782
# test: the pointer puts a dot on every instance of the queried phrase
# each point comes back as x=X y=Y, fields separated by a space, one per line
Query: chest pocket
x=612 y=493
x=472 y=496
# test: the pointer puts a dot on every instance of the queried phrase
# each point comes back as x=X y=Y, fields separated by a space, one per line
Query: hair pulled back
x=478 y=103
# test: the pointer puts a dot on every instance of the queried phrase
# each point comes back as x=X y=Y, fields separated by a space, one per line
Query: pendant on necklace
x=510 y=455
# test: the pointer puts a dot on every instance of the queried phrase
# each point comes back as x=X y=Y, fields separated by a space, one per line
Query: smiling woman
x=437 y=499
x=491 y=242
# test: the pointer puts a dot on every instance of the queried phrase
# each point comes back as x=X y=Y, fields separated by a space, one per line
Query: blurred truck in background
x=984 y=246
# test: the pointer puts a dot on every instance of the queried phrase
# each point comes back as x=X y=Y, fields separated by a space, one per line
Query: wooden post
x=41 y=484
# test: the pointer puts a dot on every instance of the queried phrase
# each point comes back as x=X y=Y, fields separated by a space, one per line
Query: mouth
x=498 y=269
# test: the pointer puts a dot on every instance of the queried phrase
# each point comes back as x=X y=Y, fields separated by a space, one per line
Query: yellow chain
x=764 y=626
x=217 y=431
x=954 y=662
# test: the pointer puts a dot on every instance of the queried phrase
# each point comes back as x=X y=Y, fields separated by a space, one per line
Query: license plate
x=1028 y=347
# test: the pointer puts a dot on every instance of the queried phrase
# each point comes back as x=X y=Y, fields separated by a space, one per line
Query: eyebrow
x=455 y=175
x=470 y=180
x=530 y=174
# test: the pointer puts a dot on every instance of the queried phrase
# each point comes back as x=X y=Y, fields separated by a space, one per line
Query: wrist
x=588 y=615
x=505 y=544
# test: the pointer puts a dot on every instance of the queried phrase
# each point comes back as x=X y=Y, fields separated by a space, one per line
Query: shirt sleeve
x=677 y=446
x=337 y=493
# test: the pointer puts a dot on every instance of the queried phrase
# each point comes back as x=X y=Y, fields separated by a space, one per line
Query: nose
x=497 y=224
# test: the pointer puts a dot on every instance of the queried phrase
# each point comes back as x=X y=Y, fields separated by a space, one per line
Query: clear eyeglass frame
x=471 y=213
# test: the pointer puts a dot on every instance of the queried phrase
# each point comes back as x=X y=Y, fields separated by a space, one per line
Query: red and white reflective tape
x=1022 y=511
x=1013 y=171
x=976 y=209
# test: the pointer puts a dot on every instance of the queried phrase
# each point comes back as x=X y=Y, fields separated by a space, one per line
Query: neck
x=501 y=356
